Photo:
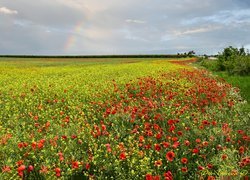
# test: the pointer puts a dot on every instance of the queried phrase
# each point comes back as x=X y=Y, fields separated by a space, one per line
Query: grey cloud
x=123 y=27
x=5 y=10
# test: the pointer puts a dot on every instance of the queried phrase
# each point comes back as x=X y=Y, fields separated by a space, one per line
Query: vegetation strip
x=121 y=121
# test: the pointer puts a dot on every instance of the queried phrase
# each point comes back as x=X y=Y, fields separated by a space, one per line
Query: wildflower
x=44 y=170
x=241 y=150
x=195 y=150
x=176 y=144
x=58 y=172
x=158 y=163
x=30 y=168
x=157 y=147
x=184 y=169
x=211 y=178
x=184 y=160
x=87 y=166
x=20 y=170
x=201 y=168
x=224 y=156
x=6 y=169
x=186 y=142
x=209 y=166
x=168 y=175
x=75 y=165
x=122 y=156
x=149 y=177
x=170 y=156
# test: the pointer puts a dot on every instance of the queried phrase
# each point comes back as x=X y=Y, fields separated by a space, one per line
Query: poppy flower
x=75 y=165
x=6 y=169
x=58 y=172
x=30 y=168
x=122 y=156
x=168 y=175
x=157 y=147
x=149 y=177
x=195 y=150
x=184 y=160
x=201 y=168
x=184 y=169
x=21 y=168
x=170 y=156
x=224 y=156
x=158 y=163
x=241 y=150
x=211 y=178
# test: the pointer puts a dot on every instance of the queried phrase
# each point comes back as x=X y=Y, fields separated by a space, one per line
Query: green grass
x=242 y=82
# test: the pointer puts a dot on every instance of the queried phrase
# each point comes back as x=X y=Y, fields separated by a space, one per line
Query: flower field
x=119 y=119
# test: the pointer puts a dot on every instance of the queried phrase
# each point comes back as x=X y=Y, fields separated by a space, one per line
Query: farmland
x=119 y=118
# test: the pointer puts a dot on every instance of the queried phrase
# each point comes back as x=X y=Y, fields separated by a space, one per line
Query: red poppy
x=75 y=165
x=165 y=144
x=6 y=169
x=157 y=177
x=170 y=156
x=157 y=147
x=184 y=169
x=149 y=177
x=30 y=168
x=201 y=168
x=168 y=175
x=186 y=142
x=21 y=168
x=122 y=156
x=58 y=172
x=184 y=160
x=195 y=150
x=176 y=144
x=209 y=166
x=87 y=166
x=241 y=150
x=211 y=178
x=224 y=156
x=198 y=140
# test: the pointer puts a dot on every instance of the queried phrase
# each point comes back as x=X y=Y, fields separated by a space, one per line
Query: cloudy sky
x=52 y=27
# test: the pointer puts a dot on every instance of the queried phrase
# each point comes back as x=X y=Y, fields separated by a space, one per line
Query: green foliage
x=234 y=61
x=208 y=64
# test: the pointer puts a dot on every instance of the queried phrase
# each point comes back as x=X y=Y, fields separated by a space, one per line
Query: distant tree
x=205 y=56
x=191 y=53
x=242 y=51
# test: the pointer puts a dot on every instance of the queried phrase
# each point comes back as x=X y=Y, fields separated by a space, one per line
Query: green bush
x=241 y=65
x=233 y=60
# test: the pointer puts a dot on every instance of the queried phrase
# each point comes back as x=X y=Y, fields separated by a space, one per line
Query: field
x=119 y=118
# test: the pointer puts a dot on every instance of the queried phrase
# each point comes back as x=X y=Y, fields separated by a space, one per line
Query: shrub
x=233 y=60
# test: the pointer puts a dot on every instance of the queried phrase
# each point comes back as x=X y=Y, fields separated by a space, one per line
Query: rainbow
x=71 y=40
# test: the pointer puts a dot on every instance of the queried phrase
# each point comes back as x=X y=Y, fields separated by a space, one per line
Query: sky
x=94 y=27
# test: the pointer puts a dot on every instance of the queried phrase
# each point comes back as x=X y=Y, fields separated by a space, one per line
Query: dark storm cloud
x=122 y=27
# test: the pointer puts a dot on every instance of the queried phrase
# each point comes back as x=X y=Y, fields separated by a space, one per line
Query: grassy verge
x=242 y=82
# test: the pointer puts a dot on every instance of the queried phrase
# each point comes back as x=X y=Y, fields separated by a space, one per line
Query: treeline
x=100 y=56
x=232 y=60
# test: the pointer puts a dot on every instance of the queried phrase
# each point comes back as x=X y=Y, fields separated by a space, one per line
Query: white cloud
x=5 y=10
x=196 y=30
x=135 y=21
x=124 y=27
